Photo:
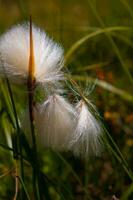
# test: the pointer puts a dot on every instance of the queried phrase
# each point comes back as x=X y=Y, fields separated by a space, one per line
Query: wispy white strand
x=14 y=52
x=86 y=137
x=55 y=122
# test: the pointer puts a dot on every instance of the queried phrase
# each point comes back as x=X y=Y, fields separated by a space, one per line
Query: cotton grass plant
x=29 y=57
x=56 y=120
x=119 y=37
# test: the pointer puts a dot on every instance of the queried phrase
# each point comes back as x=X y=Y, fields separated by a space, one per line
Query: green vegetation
x=98 y=40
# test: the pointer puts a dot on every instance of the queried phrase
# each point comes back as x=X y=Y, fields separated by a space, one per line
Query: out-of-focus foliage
x=99 y=65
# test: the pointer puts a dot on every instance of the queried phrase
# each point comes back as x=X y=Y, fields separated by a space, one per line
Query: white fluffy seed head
x=55 y=122
x=14 y=53
x=86 y=138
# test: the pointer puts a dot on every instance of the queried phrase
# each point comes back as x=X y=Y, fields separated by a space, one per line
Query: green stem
x=17 y=126
x=124 y=162
x=24 y=187
x=75 y=175
x=118 y=157
x=17 y=123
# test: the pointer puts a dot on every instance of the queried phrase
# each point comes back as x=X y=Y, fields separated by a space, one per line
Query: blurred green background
x=102 y=65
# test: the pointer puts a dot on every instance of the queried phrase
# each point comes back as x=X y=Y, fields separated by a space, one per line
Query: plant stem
x=31 y=86
x=17 y=125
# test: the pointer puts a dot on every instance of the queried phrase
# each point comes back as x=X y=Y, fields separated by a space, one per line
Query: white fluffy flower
x=55 y=122
x=14 y=53
x=86 y=138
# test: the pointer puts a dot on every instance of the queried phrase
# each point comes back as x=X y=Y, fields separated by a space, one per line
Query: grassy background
x=97 y=37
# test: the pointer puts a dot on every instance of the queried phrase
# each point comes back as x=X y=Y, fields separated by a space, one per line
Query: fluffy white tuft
x=55 y=122
x=14 y=52
x=86 y=138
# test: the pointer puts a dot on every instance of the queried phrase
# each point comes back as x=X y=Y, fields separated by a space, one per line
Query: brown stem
x=16 y=182
x=31 y=85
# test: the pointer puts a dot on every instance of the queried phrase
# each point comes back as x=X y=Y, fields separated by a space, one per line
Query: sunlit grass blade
x=4 y=146
x=7 y=103
x=6 y=172
x=82 y=40
x=17 y=125
x=107 y=86
x=93 y=66
x=6 y=127
x=18 y=140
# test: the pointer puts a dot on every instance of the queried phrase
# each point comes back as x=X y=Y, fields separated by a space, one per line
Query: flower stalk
x=31 y=86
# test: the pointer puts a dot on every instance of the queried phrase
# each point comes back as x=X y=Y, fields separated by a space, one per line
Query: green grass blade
x=114 y=148
x=24 y=187
x=127 y=7
x=7 y=103
x=124 y=39
x=116 y=49
x=107 y=86
x=16 y=121
x=81 y=41
x=128 y=192
x=74 y=174
x=91 y=67
x=118 y=157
